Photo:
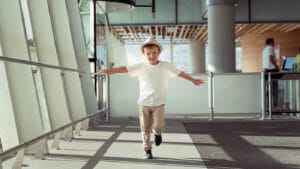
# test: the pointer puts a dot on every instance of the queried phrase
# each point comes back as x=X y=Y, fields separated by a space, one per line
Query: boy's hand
x=102 y=71
x=198 y=81
x=121 y=69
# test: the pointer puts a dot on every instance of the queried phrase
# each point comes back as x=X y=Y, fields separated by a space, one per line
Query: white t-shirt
x=267 y=51
x=153 y=81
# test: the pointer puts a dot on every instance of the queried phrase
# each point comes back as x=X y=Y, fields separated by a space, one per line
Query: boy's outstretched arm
x=121 y=69
x=190 y=78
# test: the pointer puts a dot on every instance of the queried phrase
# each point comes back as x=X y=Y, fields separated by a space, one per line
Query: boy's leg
x=145 y=125
x=159 y=119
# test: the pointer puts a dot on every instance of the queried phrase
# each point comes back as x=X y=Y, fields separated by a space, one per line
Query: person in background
x=269 y=64
x=153 y=75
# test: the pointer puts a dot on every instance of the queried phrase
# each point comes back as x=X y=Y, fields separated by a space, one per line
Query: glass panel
x=238 y=59
x=180 y=59
x=182 y=56
x=285 y=94
x=286 y=99
x=101 y=60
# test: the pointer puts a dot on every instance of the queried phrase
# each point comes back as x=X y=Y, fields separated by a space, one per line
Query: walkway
x=117 y=145
x=223 y=144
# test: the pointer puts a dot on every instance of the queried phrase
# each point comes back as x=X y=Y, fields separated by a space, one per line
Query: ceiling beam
x=175 y=32
x=132 y=34
x=156 y=32
x=201 y=29
x=204 y=35
x=181 y=31
x=150 y=31
x=296 y=26
x=186 y=32
x=265 y=28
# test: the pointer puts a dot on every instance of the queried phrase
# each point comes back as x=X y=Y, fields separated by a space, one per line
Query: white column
x=46 y=52
x=81 y=56
x=21 y=117
x=197 y=59
x=221 y=35
x=67 y=58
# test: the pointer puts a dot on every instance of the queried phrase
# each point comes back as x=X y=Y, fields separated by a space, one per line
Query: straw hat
x=151 y=40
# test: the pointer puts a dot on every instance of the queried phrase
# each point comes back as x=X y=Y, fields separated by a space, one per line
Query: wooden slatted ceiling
x=184 y=33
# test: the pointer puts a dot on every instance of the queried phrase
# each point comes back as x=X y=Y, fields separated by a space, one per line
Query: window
x=181 y=55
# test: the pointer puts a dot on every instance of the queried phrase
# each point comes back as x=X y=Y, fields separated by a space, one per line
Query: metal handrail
x=14 y=60
x=15 y=149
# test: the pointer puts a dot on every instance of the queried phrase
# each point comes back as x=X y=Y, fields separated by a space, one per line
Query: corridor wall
x=37 y=99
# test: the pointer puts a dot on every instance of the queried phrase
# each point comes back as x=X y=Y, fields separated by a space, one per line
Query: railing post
x=19 y=160
x=55 y=144
x=107 y=100
x=270 y=94
x=85 y=124
x=68 y=134
x=263 y=96
x=297 y=92
x=78 y=129
x=211 y=96
x=39 y=154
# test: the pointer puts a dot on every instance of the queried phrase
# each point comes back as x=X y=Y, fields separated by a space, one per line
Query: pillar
x=197 y=59
x=221 y=35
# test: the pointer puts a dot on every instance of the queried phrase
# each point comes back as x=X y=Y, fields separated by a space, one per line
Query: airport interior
x=58 y=110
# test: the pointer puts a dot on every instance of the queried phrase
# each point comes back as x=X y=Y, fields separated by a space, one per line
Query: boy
x=153 y=76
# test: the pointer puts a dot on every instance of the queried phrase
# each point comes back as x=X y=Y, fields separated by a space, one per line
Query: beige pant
x=151 y=118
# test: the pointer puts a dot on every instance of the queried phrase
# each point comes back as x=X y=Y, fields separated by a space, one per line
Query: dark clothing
x=271 y=70
x=274 y=88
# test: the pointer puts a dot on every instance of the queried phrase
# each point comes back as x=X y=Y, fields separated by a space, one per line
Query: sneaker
x=158 y=140
x=148 y=154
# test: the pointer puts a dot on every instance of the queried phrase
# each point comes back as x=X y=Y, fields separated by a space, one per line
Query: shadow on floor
x=247 y=144
x=132 y=125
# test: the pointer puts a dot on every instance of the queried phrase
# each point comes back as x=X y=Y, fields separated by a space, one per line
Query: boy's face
x=152 y=54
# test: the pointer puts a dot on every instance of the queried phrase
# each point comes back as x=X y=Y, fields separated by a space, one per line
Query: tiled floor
x=117 y=145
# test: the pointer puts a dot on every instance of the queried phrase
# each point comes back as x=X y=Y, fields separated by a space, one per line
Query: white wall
x=234 y=93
